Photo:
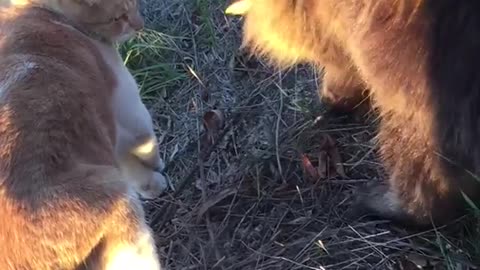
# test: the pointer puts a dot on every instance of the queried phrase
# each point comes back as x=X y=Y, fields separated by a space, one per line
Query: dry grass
x=252 y=201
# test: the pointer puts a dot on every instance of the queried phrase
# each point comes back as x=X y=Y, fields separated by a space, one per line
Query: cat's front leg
x=140 y=161
x=145 y=148
x=342 y=90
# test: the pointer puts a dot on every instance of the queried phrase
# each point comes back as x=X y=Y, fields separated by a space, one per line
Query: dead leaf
x=323 y=164
x=213 y=122
x=336 y=158
x=308 y=168
x=325 y=160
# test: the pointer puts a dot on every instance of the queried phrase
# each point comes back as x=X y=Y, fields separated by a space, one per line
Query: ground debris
x=263 y=177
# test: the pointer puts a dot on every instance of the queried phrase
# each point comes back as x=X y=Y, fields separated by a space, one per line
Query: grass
x=146 y=56
x=252 y=202
x=204 y=15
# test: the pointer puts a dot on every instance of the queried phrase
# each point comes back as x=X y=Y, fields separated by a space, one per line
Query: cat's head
x=282 y=30
x=112 y=20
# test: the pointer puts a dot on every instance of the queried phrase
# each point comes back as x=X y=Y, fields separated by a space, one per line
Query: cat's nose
x=136 y=22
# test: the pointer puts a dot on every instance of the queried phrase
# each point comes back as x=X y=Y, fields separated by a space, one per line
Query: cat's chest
x=124 y=82
x=126 y=101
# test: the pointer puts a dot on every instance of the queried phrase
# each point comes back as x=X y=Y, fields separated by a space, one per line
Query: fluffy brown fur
x=298 y=38
x=419 y=59
x=64 y=203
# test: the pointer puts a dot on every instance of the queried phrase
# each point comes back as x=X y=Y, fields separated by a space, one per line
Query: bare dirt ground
x=261 y=179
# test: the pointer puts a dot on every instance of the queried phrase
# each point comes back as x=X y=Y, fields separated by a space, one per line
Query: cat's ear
x=239 y=7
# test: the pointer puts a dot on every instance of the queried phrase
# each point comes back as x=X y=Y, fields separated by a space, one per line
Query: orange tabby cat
x=64 y=203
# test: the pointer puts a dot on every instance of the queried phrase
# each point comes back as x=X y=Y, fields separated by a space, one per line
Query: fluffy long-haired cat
x=64 y=202
x=419 y=59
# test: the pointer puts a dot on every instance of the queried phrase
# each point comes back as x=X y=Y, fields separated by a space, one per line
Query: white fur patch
x=392 y=201
x=139 y=255
x=128 y=105
x=127 y=35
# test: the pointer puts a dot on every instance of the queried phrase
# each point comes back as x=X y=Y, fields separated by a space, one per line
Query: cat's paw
x=148 y=181
x=378 y=200
x=344 y=98
x=360 y=201
x=155 y=186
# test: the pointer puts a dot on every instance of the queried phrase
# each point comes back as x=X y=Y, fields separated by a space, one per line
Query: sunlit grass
x=148 y=58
